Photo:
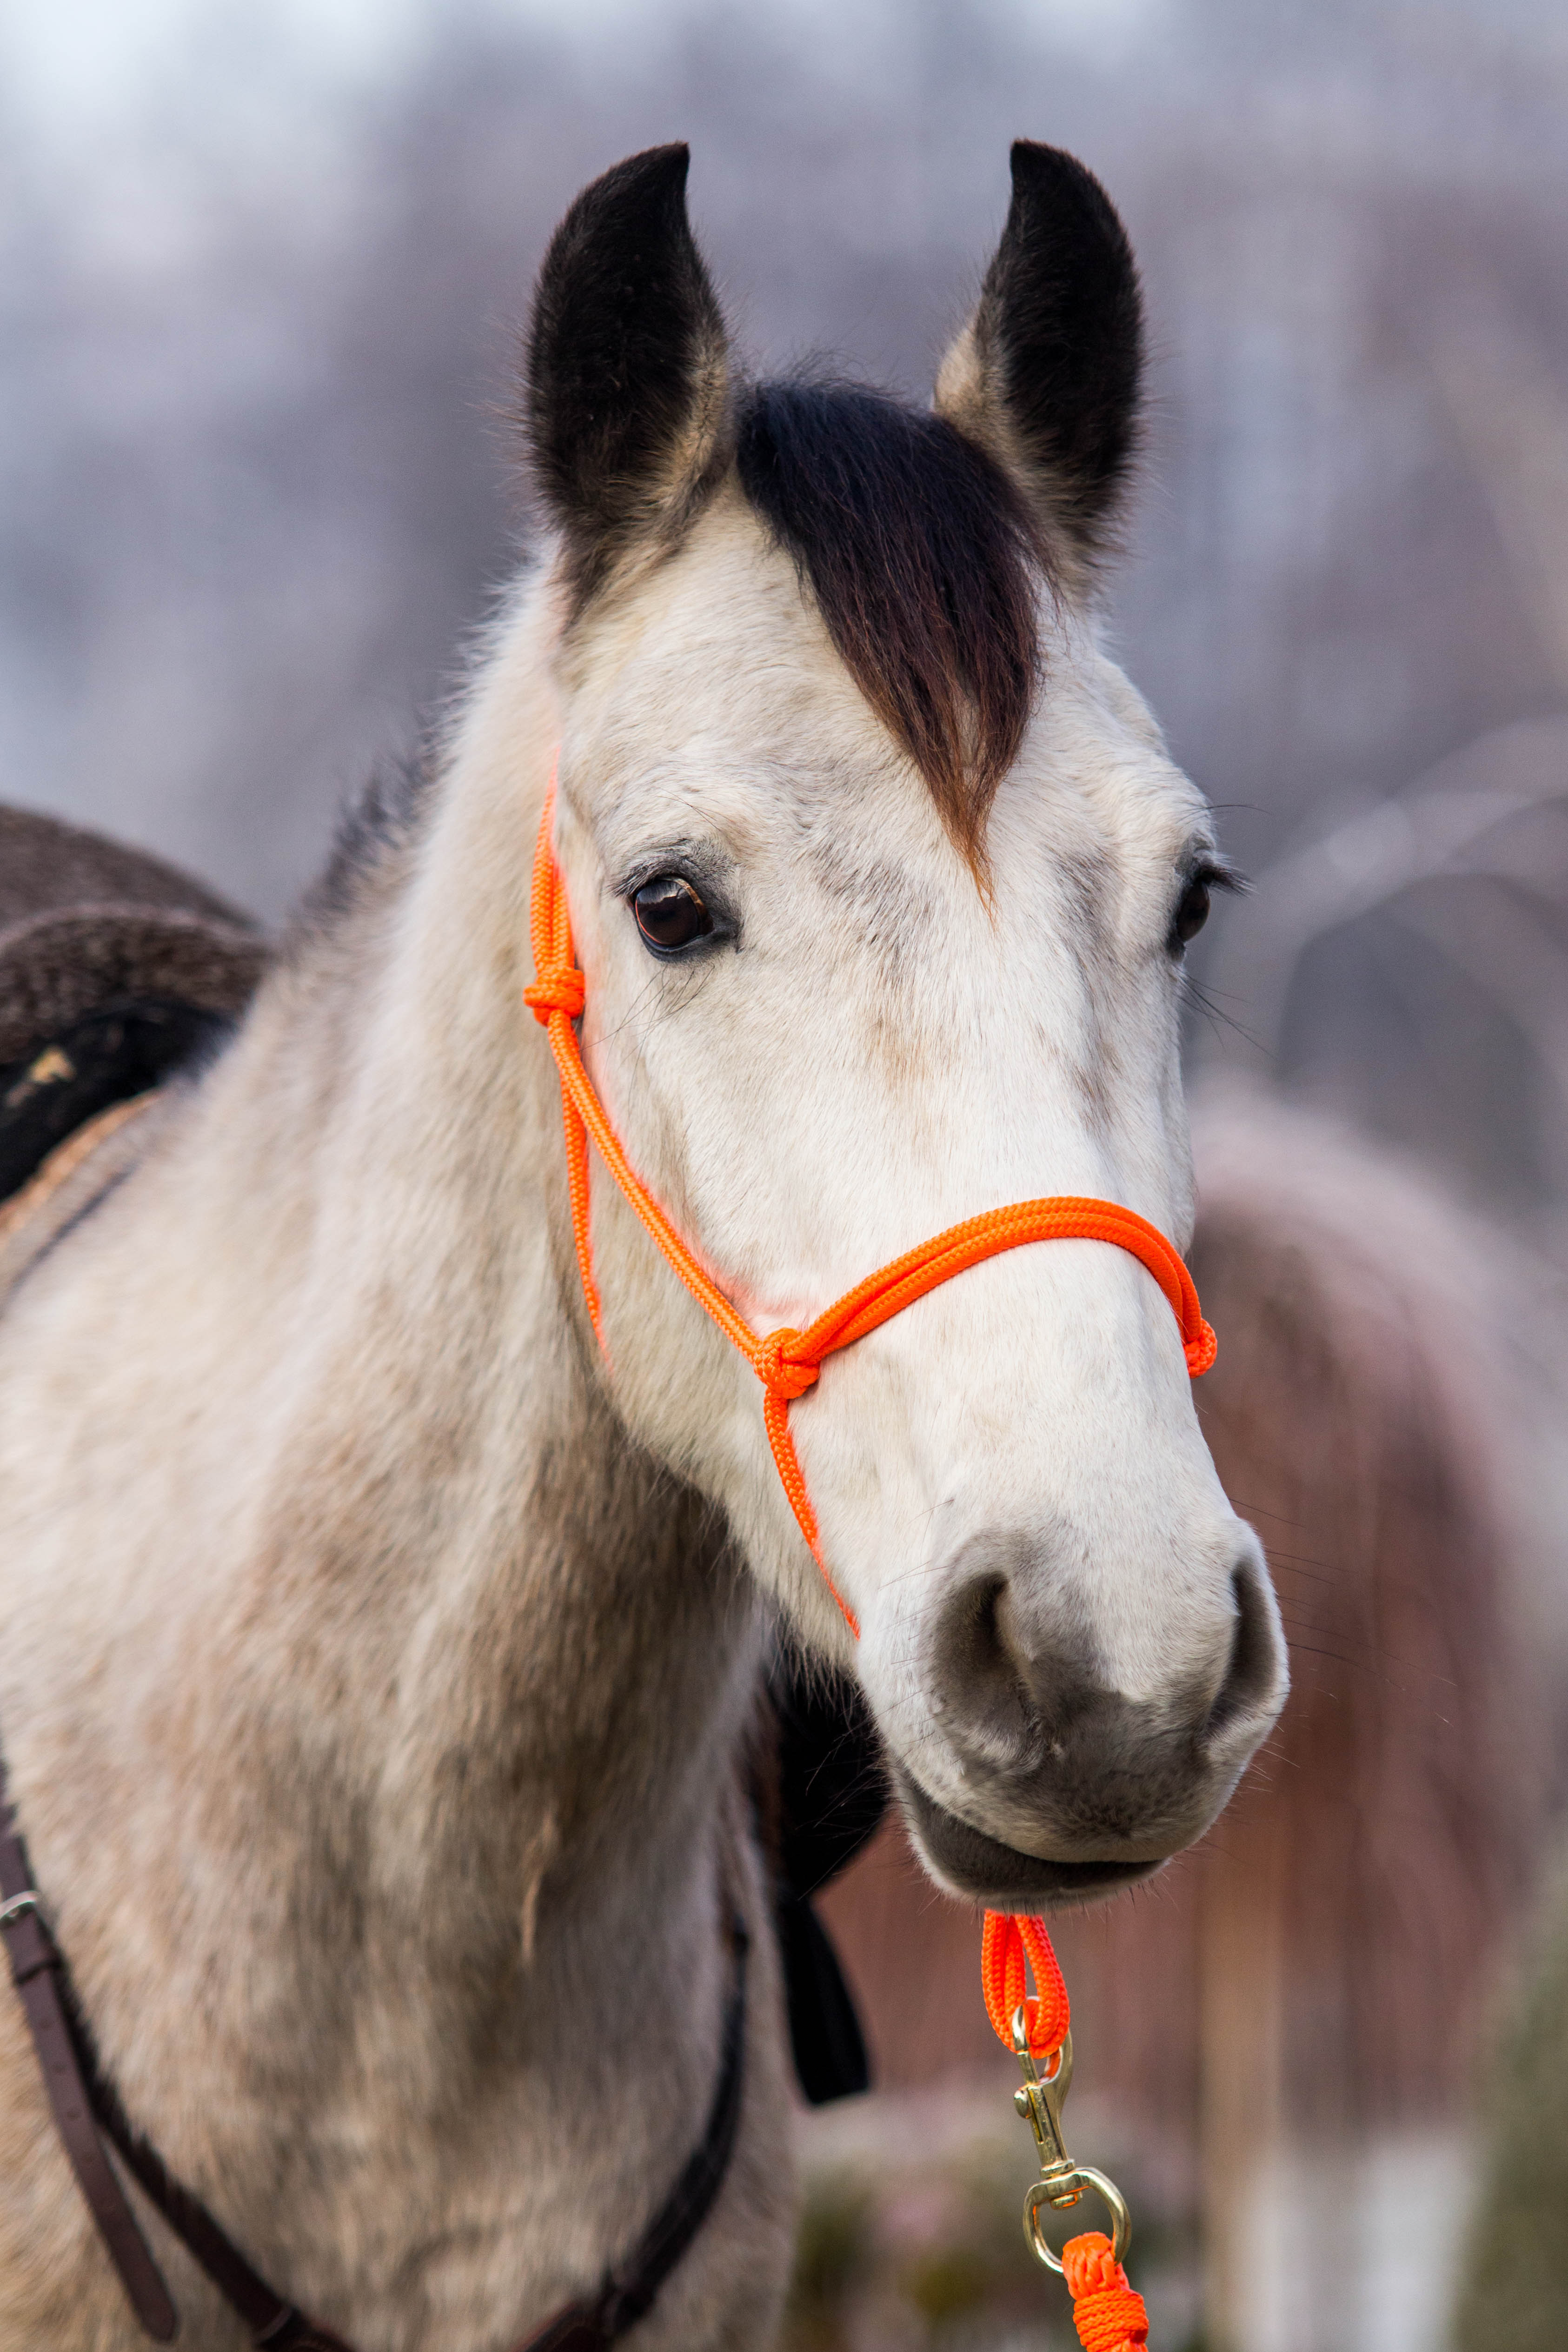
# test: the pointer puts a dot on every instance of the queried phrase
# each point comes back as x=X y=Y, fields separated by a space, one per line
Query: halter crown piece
x=1108 y=2314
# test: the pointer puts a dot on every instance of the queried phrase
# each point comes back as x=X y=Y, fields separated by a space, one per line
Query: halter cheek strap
x=787 y=1362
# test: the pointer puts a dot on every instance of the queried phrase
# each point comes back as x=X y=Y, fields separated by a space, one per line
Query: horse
x=379 y=1650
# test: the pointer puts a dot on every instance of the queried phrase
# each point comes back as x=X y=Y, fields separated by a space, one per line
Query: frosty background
x=262 y=269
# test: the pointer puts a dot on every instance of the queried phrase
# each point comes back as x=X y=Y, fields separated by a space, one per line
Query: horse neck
x=426 y=1595
x=563 y=1607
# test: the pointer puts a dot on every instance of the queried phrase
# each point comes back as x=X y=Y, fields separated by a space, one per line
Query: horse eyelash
x=705 y=873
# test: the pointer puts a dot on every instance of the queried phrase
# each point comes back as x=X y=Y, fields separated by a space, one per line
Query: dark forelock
x=925 y=566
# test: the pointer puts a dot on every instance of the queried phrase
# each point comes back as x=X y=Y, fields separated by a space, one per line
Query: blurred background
x=261 y=270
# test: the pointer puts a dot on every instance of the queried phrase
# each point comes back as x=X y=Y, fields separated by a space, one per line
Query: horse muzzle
x=1036 y=1781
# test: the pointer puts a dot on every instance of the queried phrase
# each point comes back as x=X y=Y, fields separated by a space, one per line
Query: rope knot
x=778 y=1377
x=560 y=988
x=1201 y=1352
x=1109 y=2315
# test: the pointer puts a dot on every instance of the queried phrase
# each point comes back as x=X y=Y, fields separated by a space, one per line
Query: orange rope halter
x=787 y=1363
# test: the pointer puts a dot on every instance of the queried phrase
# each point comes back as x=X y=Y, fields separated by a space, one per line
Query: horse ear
x=1045 y=376
x=626 y=406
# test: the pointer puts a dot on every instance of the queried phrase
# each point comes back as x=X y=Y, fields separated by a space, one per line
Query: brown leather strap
x=629 y=2290
x=86 y=2102
x=36 y=1966
x=71 y=1183
x=272 y=2322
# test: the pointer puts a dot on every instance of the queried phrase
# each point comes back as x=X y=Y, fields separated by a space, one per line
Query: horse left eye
x=671 y=915
x=1190 y=914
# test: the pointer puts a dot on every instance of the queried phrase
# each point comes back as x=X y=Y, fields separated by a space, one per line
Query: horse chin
x=983 y=1870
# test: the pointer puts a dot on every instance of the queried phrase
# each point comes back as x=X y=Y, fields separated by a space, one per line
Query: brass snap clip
x=1061 y=2183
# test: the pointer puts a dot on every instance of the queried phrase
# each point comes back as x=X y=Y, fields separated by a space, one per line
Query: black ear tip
x=648 y=186
x=671 y=162
x=1032 y=160
x=1038 y=166
x=1057 y=197
x=1051 y=174
x=655 y=171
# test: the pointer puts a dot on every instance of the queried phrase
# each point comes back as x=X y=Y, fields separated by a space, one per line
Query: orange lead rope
x=1109 y=2315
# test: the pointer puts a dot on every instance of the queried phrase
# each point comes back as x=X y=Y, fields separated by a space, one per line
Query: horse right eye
x=1192 y=912
x=669 y=914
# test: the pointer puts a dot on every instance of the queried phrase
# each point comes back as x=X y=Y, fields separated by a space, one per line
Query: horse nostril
x=974 y=1676
x=1252 y=1675
x=1008 y=1695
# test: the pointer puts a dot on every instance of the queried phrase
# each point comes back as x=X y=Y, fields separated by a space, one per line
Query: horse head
x=881 y=878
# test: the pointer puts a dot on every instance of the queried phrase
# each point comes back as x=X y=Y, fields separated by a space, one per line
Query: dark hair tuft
x=374 y=830
x=925 y=563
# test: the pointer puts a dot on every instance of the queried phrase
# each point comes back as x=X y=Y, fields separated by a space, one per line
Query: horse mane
x=923 y=558
x=375 y=828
